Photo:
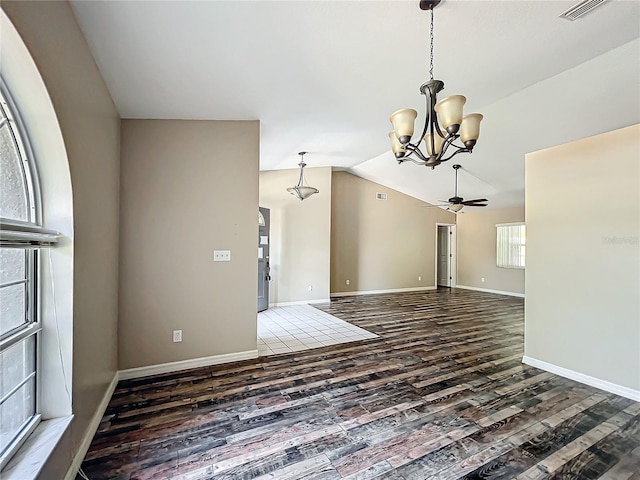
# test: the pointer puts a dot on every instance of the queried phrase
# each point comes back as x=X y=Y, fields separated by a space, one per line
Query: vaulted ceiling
x=323 y=76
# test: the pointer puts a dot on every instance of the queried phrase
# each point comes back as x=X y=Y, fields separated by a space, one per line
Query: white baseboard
x=372 y=292
x=582 y=378
x=301 y=302
x=186 y=364
x=488 y=290
x=91 y=431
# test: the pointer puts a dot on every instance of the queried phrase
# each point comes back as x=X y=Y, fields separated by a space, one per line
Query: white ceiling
x=323 y=76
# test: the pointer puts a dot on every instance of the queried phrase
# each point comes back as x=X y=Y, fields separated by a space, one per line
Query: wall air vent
x=381 y=196
x=581 y=9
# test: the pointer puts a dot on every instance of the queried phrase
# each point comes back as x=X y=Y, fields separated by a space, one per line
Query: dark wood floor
x=441 y=394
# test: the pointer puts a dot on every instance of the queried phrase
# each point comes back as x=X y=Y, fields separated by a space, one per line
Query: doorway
x=263 y=259
x=445 y=255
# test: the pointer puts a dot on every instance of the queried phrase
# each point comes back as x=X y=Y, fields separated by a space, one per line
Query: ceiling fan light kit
x=445 y=121
x=302 y=190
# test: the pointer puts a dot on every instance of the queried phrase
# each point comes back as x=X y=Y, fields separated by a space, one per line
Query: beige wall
x=188 y=188
x=380 y=244
x=583 y=261
x=300 y=235
x=90 y=127
x=477 y=250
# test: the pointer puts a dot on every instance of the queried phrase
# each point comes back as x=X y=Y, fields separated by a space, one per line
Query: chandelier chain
x=431 y=41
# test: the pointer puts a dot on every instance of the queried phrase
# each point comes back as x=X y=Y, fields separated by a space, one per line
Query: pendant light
x=301 y=190
x=444 y=123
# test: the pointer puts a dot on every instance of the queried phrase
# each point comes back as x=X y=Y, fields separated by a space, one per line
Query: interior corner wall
x=477 y=250
x=300 y=235
x=181 y=199
x=583 y=257
x=90 y=127
x=380 y=244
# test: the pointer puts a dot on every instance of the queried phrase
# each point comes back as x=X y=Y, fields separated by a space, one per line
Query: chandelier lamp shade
x=445 y=122
x=302 y=190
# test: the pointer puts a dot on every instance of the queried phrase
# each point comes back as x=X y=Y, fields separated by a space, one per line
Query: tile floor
x=302 y=327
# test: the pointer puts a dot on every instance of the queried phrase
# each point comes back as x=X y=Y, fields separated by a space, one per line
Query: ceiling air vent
x=581 y=9
x=381 y=196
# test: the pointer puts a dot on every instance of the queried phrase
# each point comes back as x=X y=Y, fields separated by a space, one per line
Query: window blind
x=14 y=234
x=510 y=245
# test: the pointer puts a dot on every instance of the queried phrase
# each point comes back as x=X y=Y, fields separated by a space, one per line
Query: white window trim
x=24 y=235
x=29 y=459
x=513 y=224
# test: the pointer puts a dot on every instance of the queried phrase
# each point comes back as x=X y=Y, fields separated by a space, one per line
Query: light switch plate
x=222 y=255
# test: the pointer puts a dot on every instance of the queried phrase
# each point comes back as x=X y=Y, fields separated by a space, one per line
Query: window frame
x=504 y=248
x=27 y=236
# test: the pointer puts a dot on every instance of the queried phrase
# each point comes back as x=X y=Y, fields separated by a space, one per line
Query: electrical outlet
x=310 y=287
x=348 y=282
x=222 y=255
x=177 y=336
x=419 y=278
x=482 y=279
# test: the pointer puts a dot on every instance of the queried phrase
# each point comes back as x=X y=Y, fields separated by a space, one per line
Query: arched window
x=21 y=240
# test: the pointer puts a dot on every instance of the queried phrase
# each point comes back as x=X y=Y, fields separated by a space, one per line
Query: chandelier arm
x=410 y=158
x=416 y=150
x=431 y=122
x=410 y=146
x=459 y=150
x=449 y=139
x=427 y=120
x=433 y=117
x=413 y=160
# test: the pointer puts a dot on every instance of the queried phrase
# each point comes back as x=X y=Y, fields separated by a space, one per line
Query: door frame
x=265 y=278
x=453 y=259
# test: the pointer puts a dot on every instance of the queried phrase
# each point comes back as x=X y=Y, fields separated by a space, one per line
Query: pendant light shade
x=396 y=146
x=437 y=143
x=302 y=191
x=449 y=110
x=402 y=122
x=470 y=129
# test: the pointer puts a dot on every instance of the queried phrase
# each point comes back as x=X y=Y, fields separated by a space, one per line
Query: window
x=21 y=238
x=510 y=251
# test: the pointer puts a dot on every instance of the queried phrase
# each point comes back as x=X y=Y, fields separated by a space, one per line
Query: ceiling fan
x=456 y=204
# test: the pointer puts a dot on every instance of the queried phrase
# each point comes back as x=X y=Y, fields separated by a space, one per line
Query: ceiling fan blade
x=429 y=206
x=456 y=203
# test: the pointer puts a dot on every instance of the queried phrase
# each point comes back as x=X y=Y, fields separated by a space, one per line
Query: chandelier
x=444 y=122
x=301 y=190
